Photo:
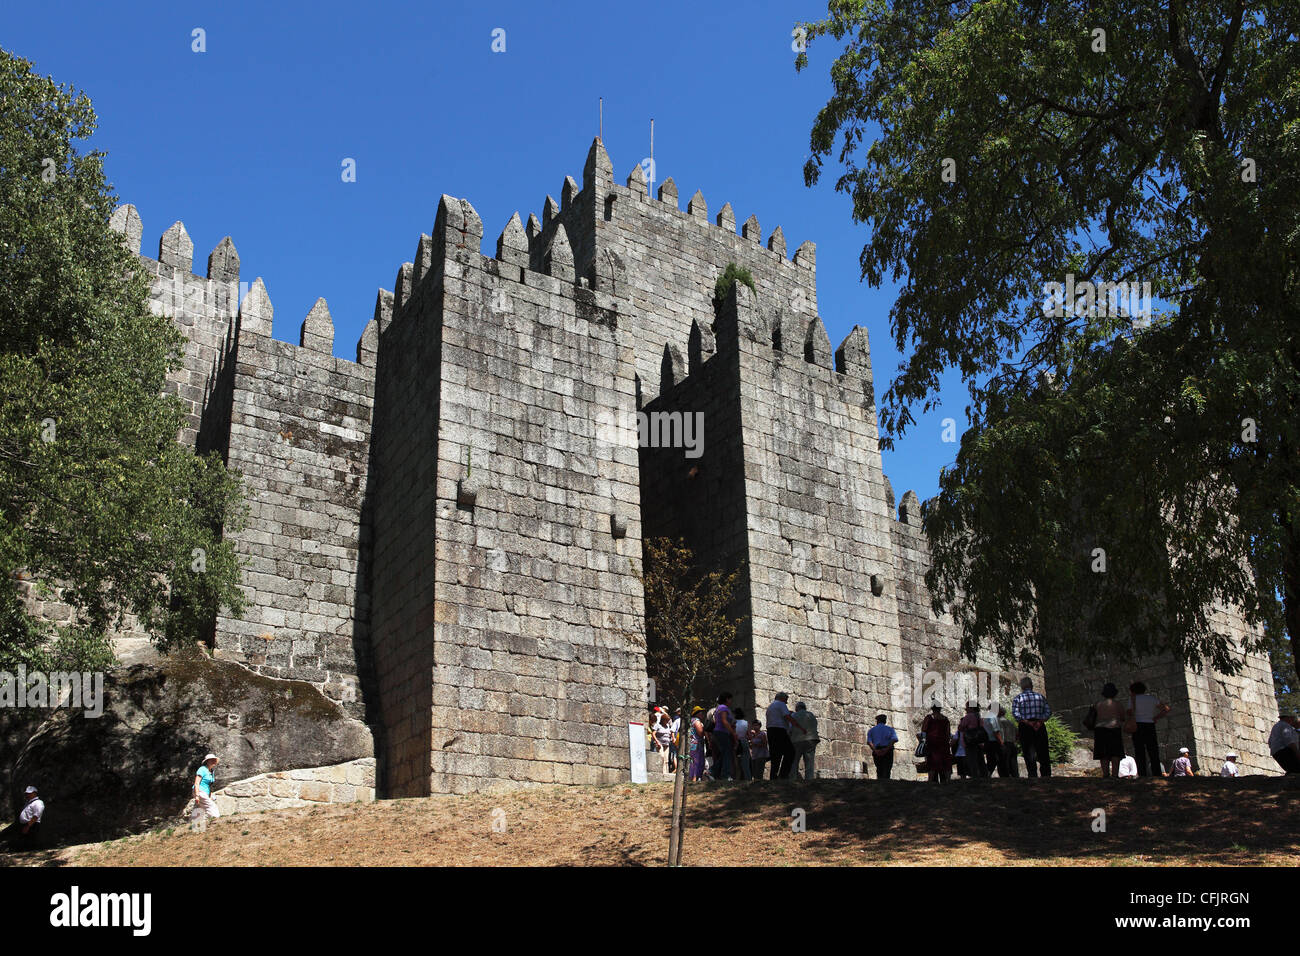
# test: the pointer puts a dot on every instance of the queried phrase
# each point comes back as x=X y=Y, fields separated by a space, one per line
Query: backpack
x=1090 y=718
x=975 y=736
x=709 y=722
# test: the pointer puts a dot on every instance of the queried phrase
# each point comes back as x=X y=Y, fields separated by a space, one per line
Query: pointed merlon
x=668 y=192
x=533 y=229
x=423 y=263
x=889 y=495
x=550 y=210
x=368 y=344
x=403 y=285
x=636 y=180
x=255 y=312
x=776 y=241
x=727 y=218
x=697 y=207
x=456 y=229
x=806 y=255
x=126 y=220
x=817 y=344
x=176 y=249
x=223 y=262
x=853 y=357
x=558 y=259
x=383 y=310
x=568 y=193
x=751 y=229
x=909 y=509
x=598 y=172
x=512 y=246
x=318 y=329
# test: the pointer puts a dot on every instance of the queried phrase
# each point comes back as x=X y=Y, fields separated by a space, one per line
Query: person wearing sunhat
x=27 y=831
x=203 y=779
x=1182 y=766
x=1229 y=768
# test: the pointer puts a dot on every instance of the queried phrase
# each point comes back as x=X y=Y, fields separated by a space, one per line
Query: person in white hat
x=1229 y=768
x=1182 y=765
x=204 y=805
x=27 y=831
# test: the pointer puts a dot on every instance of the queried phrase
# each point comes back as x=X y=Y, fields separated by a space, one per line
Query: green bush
x=730 y=276
x=1060 y=740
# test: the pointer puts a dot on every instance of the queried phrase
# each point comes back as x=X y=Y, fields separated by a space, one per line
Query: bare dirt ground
x=1203 y=821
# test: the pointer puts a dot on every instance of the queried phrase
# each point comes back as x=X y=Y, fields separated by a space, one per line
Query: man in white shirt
x=1284 y=743
x=742 y=741
x=27 y=831
x=1229 y=768
x=1128 y=768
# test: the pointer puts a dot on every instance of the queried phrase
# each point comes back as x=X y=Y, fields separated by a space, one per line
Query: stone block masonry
x=445 y=535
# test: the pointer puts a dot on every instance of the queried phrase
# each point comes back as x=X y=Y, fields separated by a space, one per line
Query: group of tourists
x=724 y=744
x=983 y=744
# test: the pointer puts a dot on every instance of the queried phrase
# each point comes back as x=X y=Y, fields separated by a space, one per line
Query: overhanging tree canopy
x=997 y=147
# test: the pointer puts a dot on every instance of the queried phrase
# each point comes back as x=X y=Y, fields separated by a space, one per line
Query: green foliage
x=1060 y=740
x=1088 y=430
x=691 y=630
x=95 y=492
x=730 y=276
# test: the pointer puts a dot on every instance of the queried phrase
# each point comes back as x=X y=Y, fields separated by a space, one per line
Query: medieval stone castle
x=444 y=535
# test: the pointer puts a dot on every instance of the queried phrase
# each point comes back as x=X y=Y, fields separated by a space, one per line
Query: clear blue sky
x=248 y=138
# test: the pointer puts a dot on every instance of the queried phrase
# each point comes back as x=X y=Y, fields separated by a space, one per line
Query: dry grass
x=1022 y=822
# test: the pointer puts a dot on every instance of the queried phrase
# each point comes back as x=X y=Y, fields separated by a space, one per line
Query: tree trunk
x=1291 y=596
x=678 y=826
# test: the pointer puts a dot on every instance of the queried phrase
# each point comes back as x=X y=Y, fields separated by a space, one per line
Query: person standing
x=1229 y=768
x=758 y=751
x=27 y=831
x=724 y=738
x=938 y=744
x=204 y=805
x=1009 y=765
x=1031 y=712
x=695 y=769
x=973 y=736
x=742 y=747
x=882 y=739
x=1284 y=743
x=1108 y=731
x=778 y=736
x=1144 y=710
x=803 y=734
x=663 y=732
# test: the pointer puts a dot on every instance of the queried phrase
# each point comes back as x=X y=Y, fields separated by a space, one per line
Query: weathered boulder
x=133 y=767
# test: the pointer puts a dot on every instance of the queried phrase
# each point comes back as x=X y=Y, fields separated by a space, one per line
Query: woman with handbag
x=1143 y=712
x=1107 y=717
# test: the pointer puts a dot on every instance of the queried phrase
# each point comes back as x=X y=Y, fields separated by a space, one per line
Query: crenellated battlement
x=207 y=304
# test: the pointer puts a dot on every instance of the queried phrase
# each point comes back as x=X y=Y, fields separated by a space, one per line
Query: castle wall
x=300 y=440
x=404 y=492
x=701 y=499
